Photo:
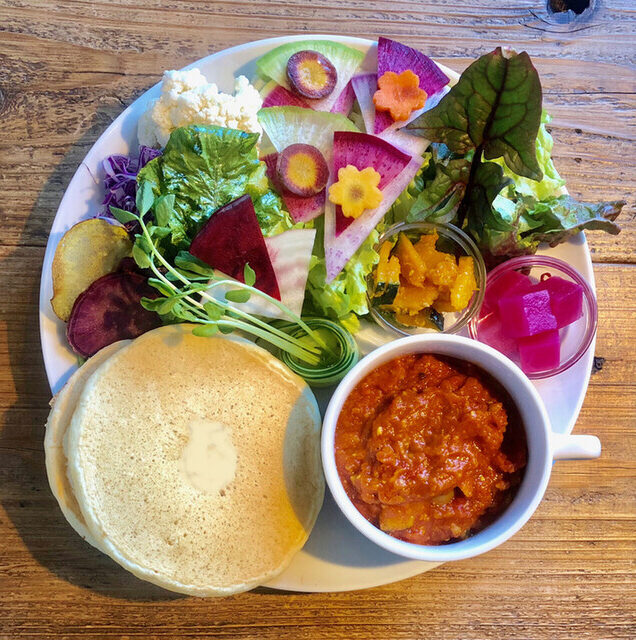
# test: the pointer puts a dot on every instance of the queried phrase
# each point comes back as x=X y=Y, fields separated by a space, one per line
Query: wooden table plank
x=67 y=69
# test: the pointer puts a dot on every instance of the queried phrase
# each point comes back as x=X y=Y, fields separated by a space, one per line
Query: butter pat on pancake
x=63 y=406
x=196 y=461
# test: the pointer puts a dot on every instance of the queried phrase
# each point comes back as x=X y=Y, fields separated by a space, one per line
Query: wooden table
x=67 y=69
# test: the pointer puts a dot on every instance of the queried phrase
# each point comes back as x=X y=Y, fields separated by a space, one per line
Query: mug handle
x=569 y=447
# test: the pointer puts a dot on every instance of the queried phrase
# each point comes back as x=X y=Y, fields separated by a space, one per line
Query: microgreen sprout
x=186 y=287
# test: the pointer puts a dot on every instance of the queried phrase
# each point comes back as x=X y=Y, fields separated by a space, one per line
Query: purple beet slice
x=300 y=209
x=230 y=239
x=110 y=310
x=311 y=75
x=302 y=169
x=363 y=150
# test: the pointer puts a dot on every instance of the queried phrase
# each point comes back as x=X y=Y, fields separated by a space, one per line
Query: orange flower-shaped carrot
x=400 y=95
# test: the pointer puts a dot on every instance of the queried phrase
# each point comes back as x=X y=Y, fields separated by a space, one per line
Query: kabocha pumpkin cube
x=465 y=284
x=425 y=247
x=411 y=300
x=387 y=275
x=526 y=315
x=444 y=273
x=540 y=352
x=443 y=303
x=427 y=318
x=413 y=267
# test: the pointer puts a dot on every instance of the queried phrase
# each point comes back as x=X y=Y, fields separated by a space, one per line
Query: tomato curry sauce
x=429 y=449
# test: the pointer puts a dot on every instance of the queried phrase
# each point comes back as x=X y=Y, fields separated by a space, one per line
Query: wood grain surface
x=67 y=69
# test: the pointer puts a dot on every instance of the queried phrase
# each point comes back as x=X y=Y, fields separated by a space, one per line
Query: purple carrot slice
x=230 y=239
x=300 y=209
x=110 y=310
x=302 y=169
x=311 y=75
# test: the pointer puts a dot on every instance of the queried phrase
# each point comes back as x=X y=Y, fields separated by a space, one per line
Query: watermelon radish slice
x=364 y=86
x=301 y=209
x=345 y=59
x=291 y=125
x=290 y=253
x=363 y=150
x=339 y=249
x=344 y=103
x=397 y=57
x=276 y=96
x=230 y=239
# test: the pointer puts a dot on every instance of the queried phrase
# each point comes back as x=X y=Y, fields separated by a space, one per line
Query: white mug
x=544 y=446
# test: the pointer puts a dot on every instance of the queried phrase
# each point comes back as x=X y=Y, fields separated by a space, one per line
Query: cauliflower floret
x=188 y=98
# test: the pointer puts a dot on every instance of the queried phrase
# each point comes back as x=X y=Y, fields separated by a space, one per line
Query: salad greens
x=345 y=297
x=205 y=167
x=515 y=201
x=185 y=284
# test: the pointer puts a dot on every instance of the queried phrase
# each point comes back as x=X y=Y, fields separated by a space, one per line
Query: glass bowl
x=451 y=240
x=575 y=338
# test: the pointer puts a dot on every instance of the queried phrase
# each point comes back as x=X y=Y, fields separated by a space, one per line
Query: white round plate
x=336 y=557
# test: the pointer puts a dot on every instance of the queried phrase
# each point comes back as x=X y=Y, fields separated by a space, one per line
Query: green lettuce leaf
x=205 y=167
x=494 y=108
x=344 y=298
x=520 y=229
x=552 y=183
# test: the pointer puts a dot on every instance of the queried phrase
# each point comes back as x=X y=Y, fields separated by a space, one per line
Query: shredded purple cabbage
x=120 y=181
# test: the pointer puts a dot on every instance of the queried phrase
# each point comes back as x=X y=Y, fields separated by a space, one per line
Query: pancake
x=63 y=406
x=196 y=461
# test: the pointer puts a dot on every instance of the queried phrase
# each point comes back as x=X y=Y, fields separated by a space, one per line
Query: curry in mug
x=429 y=449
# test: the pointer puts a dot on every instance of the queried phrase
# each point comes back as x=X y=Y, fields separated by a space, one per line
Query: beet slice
x=363 y=150
x=301 y=209
x=230 y=239
x=110 y=310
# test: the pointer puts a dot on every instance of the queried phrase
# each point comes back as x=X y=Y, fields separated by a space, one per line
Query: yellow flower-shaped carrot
x=356 y=190
x=400 y=95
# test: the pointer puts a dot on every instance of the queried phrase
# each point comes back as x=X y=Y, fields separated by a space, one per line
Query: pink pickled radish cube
x=490 y=332
x=508 y=284
x=540 y=352
x=566 y=299
x=527 y=314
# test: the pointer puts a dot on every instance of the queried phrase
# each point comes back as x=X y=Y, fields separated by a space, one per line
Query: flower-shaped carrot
x=356 y=190
x=400 y=95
